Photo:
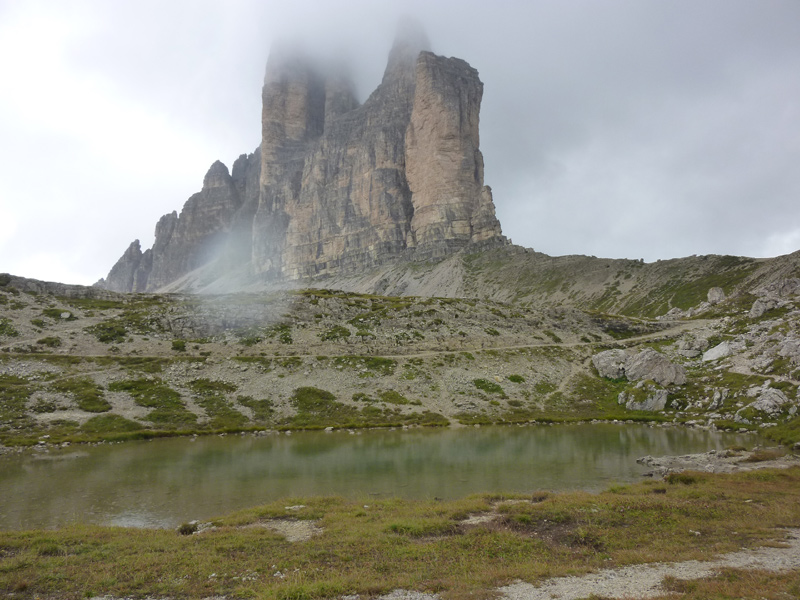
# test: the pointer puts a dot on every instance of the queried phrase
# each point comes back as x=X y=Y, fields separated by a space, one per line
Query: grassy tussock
x=370 y=546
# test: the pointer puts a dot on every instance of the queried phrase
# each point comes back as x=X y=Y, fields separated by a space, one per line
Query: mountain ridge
x=336 y=186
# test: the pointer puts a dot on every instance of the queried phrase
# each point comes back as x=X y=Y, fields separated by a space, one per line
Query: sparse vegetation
x=168 y=411
x=87 y=394
x=211 y=395
x=49 y=341
x=109 y=332
x=337 y=332
x=490 y=387
x=7 y=328
x=388 y=543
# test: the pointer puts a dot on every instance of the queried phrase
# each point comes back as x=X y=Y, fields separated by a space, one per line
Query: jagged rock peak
x=338 y=187
x=216 y=176
x=130 y=271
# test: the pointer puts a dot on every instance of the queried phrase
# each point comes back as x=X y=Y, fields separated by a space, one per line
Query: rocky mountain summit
x=336 y=186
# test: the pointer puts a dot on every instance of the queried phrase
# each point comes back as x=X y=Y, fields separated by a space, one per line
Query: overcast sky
x=619 y=128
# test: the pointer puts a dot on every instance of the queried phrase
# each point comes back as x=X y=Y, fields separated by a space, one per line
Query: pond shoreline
x=43 y=444
x=182 y=479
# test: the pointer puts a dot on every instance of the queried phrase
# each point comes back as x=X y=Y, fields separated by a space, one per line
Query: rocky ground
x=647 y=581
x=72 y=366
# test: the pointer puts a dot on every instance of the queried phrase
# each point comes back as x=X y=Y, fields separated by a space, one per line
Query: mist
x=616 y=129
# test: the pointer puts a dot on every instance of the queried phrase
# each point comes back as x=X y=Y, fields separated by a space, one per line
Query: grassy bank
x=372 y=546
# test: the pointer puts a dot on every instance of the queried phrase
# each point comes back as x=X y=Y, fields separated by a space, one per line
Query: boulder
x=650 y=364
x=610 y=363
x=715 y=295
x=771 y=401
x=720 y=394
x=647 y=397
x=719 y=351
x=790 y=349
x=762 y=305
x=646 y=365
x=691 y=347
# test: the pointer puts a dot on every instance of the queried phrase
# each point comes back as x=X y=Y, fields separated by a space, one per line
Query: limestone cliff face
x=338 y=187
x=444 y=166
x=193 y=238
x=130 y=272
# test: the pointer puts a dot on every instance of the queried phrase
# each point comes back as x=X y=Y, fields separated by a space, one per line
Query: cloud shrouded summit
x=336 y=187
x=616 y=129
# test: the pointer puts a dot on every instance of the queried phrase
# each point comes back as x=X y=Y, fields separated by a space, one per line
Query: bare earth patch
x=293 y=530
x=644 y=581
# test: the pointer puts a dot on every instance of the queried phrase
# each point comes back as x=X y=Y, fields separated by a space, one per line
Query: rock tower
x=336 y=186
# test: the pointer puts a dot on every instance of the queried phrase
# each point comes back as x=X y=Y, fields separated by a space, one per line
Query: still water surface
x=163 y=483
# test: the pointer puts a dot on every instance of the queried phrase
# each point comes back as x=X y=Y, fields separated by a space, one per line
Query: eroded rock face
x=646 y=365
x=610 y=363
x=770 y=401
x=650 y=364
x=647 y=397
x=130 y=272
x=191 y=239
x=338 y=187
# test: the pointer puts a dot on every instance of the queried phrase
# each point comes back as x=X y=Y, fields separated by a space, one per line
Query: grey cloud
x=619 y=128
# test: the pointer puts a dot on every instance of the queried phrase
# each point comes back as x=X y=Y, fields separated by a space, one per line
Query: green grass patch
x=210 y=395
x=262 y=409
x=368 y=366
x=392 y=397
x=14 y=394
x=7 y=328
x=168 y=411
x=283 y=333
x=555 y=338
x=317 y=408
x=337 y=332
x=109 y=332
x=87 y=394
x=250 y=340
x=490 y=387
x=103 y=424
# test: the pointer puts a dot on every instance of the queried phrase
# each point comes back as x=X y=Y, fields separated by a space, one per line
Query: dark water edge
x=165 y=482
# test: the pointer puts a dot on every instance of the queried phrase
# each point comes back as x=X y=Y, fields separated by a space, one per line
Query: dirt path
x=644 y=581
x=677 y=329
x=639 y=581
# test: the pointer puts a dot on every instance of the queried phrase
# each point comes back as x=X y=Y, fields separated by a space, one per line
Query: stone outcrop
x=337 y=186
x=646 y=365
x=771 y=402
x=691 y=346
x=650 y=364
x=645 y=397
x=722 y=350
x=610 y=363
x=130 y=272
